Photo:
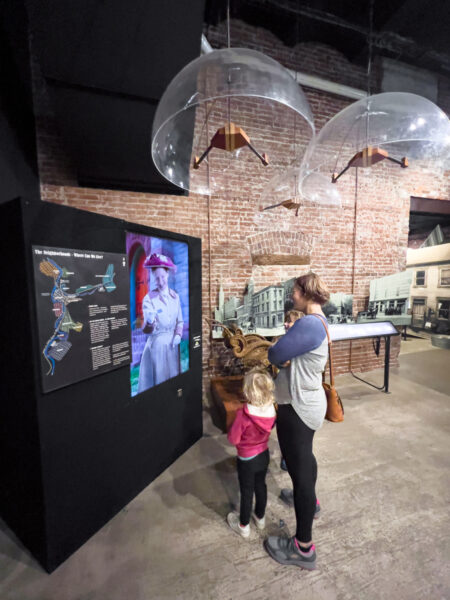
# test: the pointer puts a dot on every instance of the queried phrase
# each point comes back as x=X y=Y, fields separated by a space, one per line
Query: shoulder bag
x=335 y=408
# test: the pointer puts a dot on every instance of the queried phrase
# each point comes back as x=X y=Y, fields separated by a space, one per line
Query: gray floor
x=383 y=531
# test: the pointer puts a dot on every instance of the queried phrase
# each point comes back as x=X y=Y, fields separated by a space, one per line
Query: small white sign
x=349 y=331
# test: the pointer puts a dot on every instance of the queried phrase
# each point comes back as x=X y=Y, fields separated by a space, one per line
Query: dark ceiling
x=413 y=31
x=106 y=65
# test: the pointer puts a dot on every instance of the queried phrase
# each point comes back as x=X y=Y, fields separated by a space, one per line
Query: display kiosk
x=77 y=444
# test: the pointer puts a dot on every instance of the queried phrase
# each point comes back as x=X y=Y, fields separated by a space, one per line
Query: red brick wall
x=311 y=58
x=366 y=238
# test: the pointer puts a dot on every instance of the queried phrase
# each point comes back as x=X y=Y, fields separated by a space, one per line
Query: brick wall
x=366 y=238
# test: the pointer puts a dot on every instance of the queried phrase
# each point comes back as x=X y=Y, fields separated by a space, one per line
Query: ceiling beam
x=429 y=206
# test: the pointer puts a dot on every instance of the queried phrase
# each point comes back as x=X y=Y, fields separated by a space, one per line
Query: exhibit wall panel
x=18 y=154
x=21 y=490
x=99 y=446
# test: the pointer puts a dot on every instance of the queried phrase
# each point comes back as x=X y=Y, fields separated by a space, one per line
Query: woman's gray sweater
x=306 y=346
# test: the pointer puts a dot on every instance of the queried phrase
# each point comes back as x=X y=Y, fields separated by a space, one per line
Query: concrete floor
x=383 y=530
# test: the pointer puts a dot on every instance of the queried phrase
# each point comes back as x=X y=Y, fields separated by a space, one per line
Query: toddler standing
x=250 y=433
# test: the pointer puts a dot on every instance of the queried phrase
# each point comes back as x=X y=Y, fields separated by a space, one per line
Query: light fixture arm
x=336 y=176
x=403 y=162
x=230 y=138
x=262 y=157
x=368 y=157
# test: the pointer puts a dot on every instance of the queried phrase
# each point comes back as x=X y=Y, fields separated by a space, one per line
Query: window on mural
x=443 y=309
x=420 y=278
x=445 y=277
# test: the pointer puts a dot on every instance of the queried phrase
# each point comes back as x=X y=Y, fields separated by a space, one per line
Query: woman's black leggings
x=296 y=442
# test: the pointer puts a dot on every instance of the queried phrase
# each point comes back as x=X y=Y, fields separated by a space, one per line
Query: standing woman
x=163 y=320
x=305 y=345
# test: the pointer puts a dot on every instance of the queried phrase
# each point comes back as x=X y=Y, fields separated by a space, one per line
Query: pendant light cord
x=369 y=66
x=228 y=22
x=229 y=75
x=296 y=179
x=370 y=45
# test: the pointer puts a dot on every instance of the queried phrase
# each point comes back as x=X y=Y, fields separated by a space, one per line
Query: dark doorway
x=429 y=222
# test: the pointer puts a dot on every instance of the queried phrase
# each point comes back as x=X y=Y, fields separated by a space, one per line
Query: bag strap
x=330 y=345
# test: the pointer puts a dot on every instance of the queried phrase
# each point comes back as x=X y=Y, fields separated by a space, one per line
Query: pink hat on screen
x=159 y=260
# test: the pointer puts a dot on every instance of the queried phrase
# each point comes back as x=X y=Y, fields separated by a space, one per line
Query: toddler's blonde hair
x=293 y=315
x=259 y=388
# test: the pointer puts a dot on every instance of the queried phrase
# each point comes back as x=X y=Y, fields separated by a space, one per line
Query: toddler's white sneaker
x=260 y=523
x=233 y=521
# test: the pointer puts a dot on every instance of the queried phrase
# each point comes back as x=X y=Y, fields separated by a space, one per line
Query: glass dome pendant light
x=286 y=186
x=263 y=94
x=401 y=125
x=369 y=155
x=297 y=189
x=294 y=189
x=394 y=126
x=229 y=137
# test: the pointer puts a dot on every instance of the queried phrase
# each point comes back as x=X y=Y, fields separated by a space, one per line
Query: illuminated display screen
x=353 y=331
x=159 y=309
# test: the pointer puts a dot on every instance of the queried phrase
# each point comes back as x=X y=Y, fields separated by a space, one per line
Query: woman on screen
x=163 y=321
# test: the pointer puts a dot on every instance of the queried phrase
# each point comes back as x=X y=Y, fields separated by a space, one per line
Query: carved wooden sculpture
x=251 y=348
x=227 y=391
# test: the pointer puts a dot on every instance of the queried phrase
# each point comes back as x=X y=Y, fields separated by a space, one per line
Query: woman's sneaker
x=286 y=551
x=260 y=523
x=287 y=495
x=233 y=521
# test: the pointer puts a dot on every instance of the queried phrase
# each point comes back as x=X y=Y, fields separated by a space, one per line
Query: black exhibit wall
x=106 y=66
x=18 y=159
x=73 y=457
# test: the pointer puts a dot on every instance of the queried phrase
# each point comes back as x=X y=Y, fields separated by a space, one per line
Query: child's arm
x=237 y=428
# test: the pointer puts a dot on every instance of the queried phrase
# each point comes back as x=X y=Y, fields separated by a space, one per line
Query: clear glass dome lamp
x=294 y=190
x=227 y=112
x=394 y=126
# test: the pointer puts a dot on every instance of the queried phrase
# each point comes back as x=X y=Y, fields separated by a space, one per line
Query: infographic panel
x=82 y=305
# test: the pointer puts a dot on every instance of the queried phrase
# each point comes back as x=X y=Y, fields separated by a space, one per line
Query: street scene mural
x=159 y=309
x=262 y=311
x=339 y=308
x=82 y=312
